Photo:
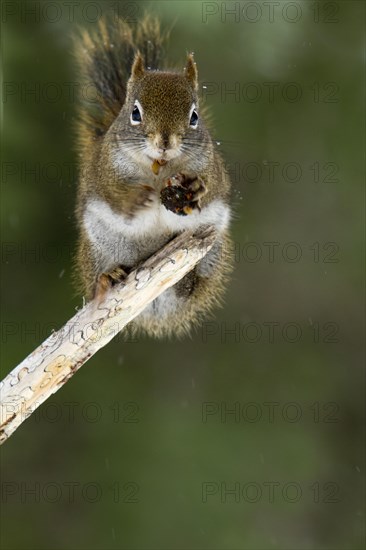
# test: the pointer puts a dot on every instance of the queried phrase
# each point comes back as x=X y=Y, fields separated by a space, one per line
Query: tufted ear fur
x=138 y=69
x=190 y=71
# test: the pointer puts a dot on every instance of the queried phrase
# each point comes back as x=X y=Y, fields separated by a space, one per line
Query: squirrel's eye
x=136 y=117
x=194 y=119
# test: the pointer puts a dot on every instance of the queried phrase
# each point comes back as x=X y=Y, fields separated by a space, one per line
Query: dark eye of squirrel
x=194 y=119
x=136 y=115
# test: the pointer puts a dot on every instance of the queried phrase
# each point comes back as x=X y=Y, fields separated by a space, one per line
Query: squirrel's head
x=161 y=113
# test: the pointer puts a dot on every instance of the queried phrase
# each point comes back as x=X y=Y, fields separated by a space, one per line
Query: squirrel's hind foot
x=108 y=280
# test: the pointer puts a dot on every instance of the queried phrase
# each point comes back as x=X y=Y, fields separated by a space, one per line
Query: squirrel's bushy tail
x=104 y=58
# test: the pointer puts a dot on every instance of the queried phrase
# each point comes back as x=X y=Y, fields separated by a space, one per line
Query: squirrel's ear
x=138 y=69
x=190 y=71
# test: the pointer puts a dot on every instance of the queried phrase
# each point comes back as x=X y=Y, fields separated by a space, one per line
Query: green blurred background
x=139 y=450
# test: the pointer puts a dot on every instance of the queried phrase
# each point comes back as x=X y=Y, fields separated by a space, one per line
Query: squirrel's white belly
x=119 y=240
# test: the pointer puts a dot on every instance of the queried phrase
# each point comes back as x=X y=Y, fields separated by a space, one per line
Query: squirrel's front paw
x=145 y=198
x=182 y=194
x=107 y=280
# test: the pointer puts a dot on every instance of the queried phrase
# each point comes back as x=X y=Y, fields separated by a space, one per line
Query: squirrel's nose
x=165 y=141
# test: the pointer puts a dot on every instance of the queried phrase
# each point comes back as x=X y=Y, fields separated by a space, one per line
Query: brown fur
x=117 y=59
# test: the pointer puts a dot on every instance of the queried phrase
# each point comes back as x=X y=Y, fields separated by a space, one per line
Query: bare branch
x=47 y=369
